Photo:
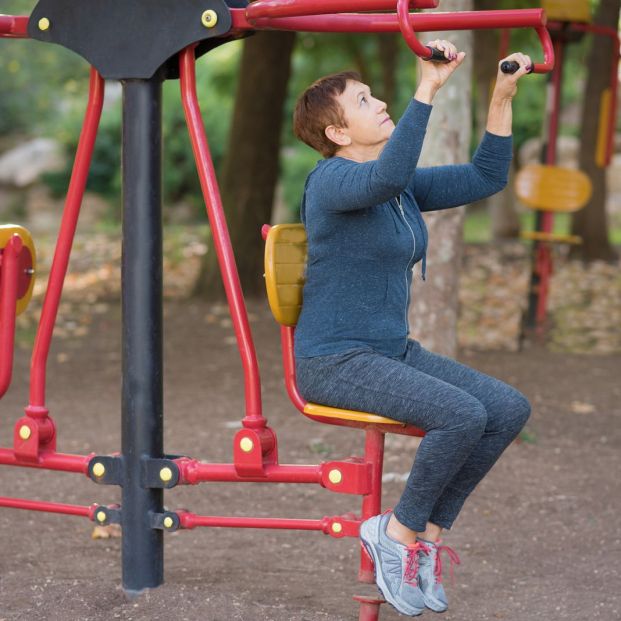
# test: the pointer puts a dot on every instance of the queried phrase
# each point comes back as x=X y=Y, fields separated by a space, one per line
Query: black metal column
x=142 y=409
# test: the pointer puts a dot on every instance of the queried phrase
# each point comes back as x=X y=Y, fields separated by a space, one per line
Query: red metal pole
x=222 y=240
x=14 y=26
x=9 y=265
x=192 y=520
x=68 y=225
x=278 y=8
x=193 y=471
x=63 y=462
x=48 y=507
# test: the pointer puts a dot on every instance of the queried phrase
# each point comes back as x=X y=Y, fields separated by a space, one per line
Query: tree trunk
x=591 y=222
x=434 y=308
x=388 y=52
x=250 y=169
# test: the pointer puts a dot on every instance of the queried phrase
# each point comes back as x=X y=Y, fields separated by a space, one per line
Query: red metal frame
x=35 y=435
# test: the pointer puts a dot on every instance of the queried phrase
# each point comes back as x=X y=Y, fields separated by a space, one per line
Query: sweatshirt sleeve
x=442 y=187
x=343 y=185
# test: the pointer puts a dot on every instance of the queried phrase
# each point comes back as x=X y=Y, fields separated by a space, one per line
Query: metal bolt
x=166 y=474
x=101 y=516
x=44 y=24
x=99 y=469
x=246 y=445
x=209 y=18
x=335 y=476
x=168 y=522
x=25 y=432
x=337 y=527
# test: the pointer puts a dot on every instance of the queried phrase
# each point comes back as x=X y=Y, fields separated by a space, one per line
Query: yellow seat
x=27 y=262
x=554 y=189
x=285 y=265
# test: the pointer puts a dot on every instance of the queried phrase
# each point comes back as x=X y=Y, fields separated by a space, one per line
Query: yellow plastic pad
x=603 y=134
x=285 y=265
x=324 y=411
x=6 y=232
x=568 y=10
x=552 y=188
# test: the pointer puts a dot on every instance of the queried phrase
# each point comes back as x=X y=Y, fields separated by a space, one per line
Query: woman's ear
x=337 y=135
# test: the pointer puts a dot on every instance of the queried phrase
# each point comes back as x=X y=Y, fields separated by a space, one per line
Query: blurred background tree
x=44 y=90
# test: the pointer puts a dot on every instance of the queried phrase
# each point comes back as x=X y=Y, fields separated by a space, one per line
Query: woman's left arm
x=442 y=187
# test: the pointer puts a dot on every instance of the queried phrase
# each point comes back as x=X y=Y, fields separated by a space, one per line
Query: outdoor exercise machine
x=141 y=44
x=547 y=188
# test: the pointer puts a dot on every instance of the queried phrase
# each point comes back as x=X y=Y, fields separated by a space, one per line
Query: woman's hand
x=506 y=83
x=500 y=117
x=435 y=74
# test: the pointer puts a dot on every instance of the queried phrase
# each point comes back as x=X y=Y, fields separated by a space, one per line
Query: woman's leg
x=453 y=420
x=507 y=412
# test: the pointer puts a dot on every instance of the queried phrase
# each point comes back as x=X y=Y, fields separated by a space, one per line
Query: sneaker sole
x=382 y=587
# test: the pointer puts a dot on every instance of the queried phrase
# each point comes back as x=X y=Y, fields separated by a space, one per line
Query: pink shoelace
x=437 y=570
x=411 y=567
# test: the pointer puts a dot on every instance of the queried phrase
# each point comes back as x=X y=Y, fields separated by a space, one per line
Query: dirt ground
x=539 y=539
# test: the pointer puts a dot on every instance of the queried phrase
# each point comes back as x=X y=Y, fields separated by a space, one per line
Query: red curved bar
x=297 y=8
x=62 y=462
x=68 y=226
x=48 y=507
x=403 y=16
x=14 y=26
x=9 y=266
x=222 y=241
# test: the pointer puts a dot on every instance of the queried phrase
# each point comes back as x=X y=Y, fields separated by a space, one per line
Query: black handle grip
x=436 y=55
x=511 y=66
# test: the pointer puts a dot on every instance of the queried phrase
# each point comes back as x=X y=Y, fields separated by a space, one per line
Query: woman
x=361 y=209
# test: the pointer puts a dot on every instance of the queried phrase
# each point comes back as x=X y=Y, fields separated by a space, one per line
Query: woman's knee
x=470 y=418
x=512 y=413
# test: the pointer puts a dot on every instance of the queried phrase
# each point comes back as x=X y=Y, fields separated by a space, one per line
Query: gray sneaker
x=396 y=566
x=430 y=573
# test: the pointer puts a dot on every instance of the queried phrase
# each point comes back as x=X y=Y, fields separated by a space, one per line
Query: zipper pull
x=400 y=206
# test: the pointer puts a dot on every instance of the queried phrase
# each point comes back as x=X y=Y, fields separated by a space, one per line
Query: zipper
x=407 y=267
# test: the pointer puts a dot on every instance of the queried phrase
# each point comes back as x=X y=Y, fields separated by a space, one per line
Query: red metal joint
x=34 y=434
x=253 y=449
x=351 y=476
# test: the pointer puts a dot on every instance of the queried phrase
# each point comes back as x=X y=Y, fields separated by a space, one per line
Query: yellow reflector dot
x=99 y=469
x=335 y=476
x=337 y=527
x=168 y=522
x=246 y=445
x=25 y=432
x=44 y=24
x=166 y=474
x=209 y=18
x=101 y=516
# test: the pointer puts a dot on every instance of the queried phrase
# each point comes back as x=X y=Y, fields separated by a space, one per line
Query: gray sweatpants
x=469 y=419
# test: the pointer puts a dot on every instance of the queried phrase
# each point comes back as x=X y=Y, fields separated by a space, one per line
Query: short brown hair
x=317 y=108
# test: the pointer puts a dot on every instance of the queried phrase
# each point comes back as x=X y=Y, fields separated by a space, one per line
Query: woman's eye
x=364 y=99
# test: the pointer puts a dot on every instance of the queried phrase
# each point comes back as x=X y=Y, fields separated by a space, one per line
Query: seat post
x=372 y=503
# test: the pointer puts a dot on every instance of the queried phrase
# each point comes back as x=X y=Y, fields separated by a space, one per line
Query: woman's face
x=368 y=123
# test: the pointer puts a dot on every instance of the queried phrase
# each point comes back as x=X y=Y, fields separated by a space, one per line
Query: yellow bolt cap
x=335 y=476
x=25 y=432
x=101 y=516
x=99 y=469
x=337 y=527
x=44 y=24
x=168 y=522
x=166 y=474
x=246 y=445
x=209 y=18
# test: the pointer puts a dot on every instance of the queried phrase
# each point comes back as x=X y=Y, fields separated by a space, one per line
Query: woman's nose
x=381 y=105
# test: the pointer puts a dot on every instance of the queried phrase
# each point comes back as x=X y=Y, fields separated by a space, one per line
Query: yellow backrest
x=285 y=265
x=27 y=261
x=568 y=10
x=552 y=188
